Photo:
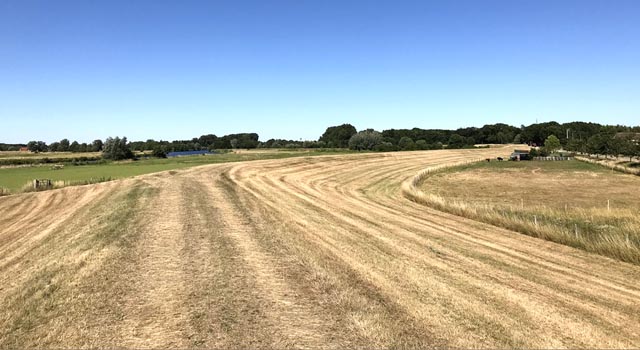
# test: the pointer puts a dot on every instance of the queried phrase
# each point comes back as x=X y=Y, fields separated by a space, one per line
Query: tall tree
x=338 y=136
x=37 y=146
x=96 y=145
x=64 y=145
x=74 y=147
x=552 y=143
x=116 y=149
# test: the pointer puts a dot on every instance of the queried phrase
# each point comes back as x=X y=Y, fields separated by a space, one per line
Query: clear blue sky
x=288 y=69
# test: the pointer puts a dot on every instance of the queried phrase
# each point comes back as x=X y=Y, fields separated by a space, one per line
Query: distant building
x=188 y=153
x=24 y=149
x=520 y=155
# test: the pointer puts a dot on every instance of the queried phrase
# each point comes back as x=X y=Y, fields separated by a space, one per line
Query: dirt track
x=320 y=252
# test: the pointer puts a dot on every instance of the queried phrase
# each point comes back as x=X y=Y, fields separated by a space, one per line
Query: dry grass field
x=313 y=252
x=575 y=203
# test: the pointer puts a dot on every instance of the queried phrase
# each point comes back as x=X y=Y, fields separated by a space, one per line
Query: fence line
x=552 y=158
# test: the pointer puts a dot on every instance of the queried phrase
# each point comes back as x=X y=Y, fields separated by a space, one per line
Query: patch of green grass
x=50 y=155
x=14 y=178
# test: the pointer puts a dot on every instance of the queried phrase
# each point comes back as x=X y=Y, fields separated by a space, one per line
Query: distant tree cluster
x=461 y=138
x=11 y=146
x=575 y=136
x=589 y=138
x=62 y=146
x=582 y=137
x=204 y=142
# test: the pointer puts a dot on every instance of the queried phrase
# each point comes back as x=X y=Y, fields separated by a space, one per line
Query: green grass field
x=50 y=155
x=14 y=178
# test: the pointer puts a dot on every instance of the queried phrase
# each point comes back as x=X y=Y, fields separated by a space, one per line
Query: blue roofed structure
x=188 y=153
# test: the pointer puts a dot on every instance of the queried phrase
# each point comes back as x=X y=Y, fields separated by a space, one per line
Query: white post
x=575 y=227
x=608 y=205
x=521 y=203
x=535 y=220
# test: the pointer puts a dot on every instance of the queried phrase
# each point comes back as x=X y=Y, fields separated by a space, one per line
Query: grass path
x=321 y=252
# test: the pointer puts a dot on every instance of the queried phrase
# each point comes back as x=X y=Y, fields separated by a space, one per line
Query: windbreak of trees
x=61 y=146
x=210 y=142
x=204 y=142
x=582 y=137
x=420 y=139
x=589 y=138
x=4 y=147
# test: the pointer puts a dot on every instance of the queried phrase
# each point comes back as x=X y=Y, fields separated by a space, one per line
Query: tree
x=406 y=144
x=422 y=145
x=96 y=145
x=385 y=147
x=338 y=136
x=37 y=146
x=53 y=147
x=625 y=145
x=365 y=140
x=456 y=141
x=552 y=143
x=64 y=145
x=116 y=149
x=74 y=147
x=517 y=139
x=160 y=152
x=596 y=144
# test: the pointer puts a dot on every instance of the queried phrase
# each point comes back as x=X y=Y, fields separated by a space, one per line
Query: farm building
x=24 y=149
x=188 y=153
x=520 y=155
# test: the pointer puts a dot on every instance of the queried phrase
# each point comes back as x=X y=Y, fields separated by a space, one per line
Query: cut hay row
x=320 y=252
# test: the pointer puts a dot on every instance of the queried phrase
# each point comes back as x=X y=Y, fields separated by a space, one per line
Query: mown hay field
x=308 y=252
x=570 y=202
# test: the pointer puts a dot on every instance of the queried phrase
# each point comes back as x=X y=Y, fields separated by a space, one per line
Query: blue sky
x=288 y=69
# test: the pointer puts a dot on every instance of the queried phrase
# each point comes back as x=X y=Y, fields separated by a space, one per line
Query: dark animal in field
x=500 y=159
x=488 y=159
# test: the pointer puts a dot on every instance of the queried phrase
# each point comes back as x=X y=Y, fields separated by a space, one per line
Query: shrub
x=116 y=149
x=365 y=140
x=385 y=147
x=159 y=152
x=406 y=144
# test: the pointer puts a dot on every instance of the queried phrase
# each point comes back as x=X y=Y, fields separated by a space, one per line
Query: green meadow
x=14 y=179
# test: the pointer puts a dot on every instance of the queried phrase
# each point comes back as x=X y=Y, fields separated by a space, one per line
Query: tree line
x=583 y=137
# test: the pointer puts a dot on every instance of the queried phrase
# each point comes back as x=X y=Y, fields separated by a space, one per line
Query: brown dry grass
x=321 y=252
x=554 y=185
x=573 y=203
